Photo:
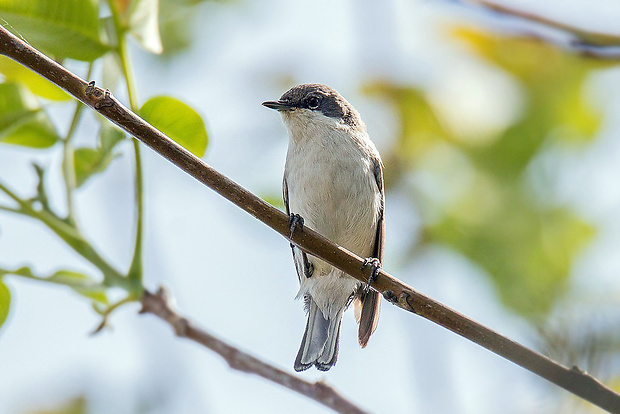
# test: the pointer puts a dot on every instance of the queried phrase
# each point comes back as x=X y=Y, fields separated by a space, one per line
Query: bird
x=333 y=184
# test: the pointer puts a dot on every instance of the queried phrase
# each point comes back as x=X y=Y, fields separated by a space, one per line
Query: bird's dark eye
x=313 y=102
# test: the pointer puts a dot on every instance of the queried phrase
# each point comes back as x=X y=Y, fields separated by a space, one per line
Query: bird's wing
x=302 y=265
x=370 y=301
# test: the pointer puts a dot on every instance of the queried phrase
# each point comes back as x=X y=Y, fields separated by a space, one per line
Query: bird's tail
x=320 y=343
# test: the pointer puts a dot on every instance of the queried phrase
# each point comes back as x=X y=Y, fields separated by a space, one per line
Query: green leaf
x=82 y=284
x=89 y=161
x=144 y=24
x=5 y=302
x=274 y=199
x=95 y=292
x=177 y=120
x=110 y=136
x=68 y=277
x=38 y=85
x=22 y=120
x=62 y=28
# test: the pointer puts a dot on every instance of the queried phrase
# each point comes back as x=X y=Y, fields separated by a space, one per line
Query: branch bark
x=159 y=305
x=590 y=43
x=395 y=291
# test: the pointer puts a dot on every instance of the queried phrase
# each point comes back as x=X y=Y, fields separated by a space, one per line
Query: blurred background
x=501 y=154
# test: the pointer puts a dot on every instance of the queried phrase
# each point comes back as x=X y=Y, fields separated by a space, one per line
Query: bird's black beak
x=278 y=105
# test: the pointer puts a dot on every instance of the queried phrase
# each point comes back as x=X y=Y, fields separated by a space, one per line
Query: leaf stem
x=11 y=209
x=106 y=313
x=27 y=273
x=71 y=236
x=68 y=159
x=135 y=269
x=12 y=195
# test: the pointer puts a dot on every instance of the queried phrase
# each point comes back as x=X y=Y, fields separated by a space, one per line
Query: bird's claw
x=294 y=221
x=375 y=265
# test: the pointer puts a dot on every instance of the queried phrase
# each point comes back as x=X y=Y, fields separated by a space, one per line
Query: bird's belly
x=339 y=202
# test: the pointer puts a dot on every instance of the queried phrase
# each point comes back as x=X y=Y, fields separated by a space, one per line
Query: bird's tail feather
x=319 y=345
x=367 y=309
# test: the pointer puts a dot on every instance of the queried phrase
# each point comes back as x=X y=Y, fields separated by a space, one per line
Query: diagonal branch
x=590 y=43
x=395 y=291
x=158 y=305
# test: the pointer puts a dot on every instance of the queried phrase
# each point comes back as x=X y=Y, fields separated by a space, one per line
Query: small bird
x=333 y=184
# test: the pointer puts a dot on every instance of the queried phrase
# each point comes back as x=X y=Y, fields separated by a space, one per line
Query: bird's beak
x=278 y=105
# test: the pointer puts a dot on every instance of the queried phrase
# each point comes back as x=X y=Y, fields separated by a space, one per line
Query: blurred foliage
x=79 y=282
x=177 y=19
x=490 y=213
x=14 y=72
x=144 y=24
x=584 y=331
x=22 y=119
x=78 y=405
x=90 y=161
x=60 y=28
x=95 y=31
x=5 y=302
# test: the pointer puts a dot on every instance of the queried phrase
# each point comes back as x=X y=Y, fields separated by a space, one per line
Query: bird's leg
x=308 y=266
x=375 y=265
x=294 y=221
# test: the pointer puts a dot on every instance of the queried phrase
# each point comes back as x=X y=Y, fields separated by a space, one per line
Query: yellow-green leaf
x=82 y=284
x=62 y=28
x=177 y=120
x=5 y=302
x=22 y=120
x=38 y=85
x=89 y=161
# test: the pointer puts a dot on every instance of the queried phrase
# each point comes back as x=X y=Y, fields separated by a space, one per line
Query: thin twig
x=395 y=291
x=72 y=237
x=590 y=43
x=11 y=210
x=158 y=304
x=68 y=158
x=135 y=269
x=108 y=311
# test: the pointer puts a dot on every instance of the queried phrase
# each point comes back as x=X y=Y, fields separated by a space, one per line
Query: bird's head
x=315 y=105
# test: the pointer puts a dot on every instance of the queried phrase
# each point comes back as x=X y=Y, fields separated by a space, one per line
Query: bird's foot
x=294 y=221
x=375 y=265
x=308 y=266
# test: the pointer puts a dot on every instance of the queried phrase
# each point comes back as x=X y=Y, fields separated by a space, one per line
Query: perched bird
x=333 y=184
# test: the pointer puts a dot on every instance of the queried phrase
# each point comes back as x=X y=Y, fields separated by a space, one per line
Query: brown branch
x=159 y=305
x=590 y=43
x=395 y=291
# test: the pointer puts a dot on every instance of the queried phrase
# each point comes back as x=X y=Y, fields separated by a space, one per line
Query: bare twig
x=590 y=43
x=158 y=305
x=395 y=291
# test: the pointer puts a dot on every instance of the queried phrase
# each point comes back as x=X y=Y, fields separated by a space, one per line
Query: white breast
x=331 y=182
